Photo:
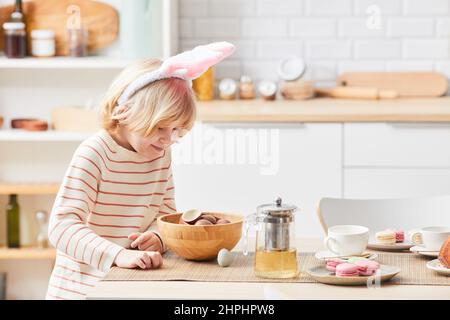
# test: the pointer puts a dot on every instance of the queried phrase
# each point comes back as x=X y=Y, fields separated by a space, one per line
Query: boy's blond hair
x=163 y=103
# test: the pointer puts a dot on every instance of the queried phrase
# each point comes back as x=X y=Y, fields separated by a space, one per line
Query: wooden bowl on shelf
x=200 y=242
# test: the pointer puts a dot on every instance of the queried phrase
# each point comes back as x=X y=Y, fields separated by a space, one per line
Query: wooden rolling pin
x=357 y=93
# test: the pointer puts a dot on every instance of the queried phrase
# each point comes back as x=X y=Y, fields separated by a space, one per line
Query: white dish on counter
x=324 y=255
x=398 y=246
x=437 y=266
x=423 y=251
x=321 y=274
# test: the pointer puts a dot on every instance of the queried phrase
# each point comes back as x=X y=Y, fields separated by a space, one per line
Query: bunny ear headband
x=187 y=65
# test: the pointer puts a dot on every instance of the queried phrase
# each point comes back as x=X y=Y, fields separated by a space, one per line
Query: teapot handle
x=249 y=221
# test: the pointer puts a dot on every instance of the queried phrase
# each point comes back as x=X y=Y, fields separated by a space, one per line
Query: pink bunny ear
x=187 y=65
x=198 y=60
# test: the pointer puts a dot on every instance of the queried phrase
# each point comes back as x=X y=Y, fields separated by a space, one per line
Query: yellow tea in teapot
x=276 y=263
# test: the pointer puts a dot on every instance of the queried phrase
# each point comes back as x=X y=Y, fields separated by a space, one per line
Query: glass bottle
x=15 y=35
x=17 y=15
x=15 y=43
x=13 y=222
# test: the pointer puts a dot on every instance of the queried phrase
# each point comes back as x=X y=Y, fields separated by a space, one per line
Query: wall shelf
x=64 y=63
x=27 y=254
x=50 y=135
x=29 y=188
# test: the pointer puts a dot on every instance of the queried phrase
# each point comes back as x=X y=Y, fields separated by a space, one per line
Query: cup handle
x=414 y=235
x=327 y=242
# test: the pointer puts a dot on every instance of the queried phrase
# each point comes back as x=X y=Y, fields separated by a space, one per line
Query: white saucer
x=425 y=252
x=324 y=255
x=321 y=274
x=438 y=267
x=399 y=246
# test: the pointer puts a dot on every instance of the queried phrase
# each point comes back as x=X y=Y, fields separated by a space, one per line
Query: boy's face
x=153 y=146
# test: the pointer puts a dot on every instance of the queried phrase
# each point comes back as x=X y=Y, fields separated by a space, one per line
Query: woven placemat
x=413 y=270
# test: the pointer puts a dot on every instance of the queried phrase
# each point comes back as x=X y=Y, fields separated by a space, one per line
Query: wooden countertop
x=245 y=290
x=326 y=110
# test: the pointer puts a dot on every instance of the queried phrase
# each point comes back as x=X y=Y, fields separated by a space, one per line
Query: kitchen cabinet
x=393 y=160
x=255 y=163
x=375 y=183
x=397 y=144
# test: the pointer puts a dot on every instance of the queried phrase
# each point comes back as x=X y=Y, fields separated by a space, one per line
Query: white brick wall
x=333 y=36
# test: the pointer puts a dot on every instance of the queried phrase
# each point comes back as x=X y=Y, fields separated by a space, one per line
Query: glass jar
x=204 y=85
x=15 y=41
x=43 y=43
x=77 y=40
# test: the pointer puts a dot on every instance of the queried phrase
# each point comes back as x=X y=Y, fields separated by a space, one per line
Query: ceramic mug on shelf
x=432 y=238
x=347 y=239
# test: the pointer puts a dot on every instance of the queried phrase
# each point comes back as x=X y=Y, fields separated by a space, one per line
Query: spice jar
x=15 y=39
x=43 y=43
x=204 y=85
x=227 y=89
x=77 y=40
x=246 y=88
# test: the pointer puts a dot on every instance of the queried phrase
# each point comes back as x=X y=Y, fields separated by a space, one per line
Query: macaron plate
x=399 y=246
x=324 y=255
x=438 y=267
x=321 y=274
x=424 y=251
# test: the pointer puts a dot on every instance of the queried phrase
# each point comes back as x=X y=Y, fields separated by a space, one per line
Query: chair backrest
x=380 y=214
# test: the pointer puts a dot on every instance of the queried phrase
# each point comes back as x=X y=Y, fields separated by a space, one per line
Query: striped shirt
x=107 y=193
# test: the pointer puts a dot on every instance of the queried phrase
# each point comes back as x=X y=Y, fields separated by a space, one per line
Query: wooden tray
x=100 y=19
x=406 y=84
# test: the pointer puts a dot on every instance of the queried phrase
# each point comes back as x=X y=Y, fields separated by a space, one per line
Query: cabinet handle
x=419 y=125
x=255 y=125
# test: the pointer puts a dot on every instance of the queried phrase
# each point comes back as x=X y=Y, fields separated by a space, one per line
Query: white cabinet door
x=236 y=167
x=397 y=145
x=395 y=183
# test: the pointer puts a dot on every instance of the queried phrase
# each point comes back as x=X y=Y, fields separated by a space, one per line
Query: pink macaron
x=399 y=235
x=347 y=270
x=367 y=267
x=333 y=263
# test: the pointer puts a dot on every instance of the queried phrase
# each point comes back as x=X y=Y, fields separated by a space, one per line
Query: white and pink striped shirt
x=107 y=193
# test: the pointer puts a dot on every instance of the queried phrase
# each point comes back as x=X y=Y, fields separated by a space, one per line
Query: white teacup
x=432 y=237
x=347 y=239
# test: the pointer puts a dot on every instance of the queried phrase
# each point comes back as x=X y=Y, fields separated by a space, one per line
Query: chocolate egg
x=224 y=257
x=222 y=221
x=209 y=217
x=203 y=222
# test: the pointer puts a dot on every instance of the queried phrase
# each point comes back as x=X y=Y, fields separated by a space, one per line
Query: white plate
x=321 y=274
x=400 y=246
x=324 y=255
x=424 y=252
x=438 y=267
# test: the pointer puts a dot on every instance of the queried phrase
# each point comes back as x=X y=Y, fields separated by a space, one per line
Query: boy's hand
x=131 y=259
x=147 y=241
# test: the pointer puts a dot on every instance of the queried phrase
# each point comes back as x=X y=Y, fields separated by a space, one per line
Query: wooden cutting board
x=406 y=84
x=100 y=19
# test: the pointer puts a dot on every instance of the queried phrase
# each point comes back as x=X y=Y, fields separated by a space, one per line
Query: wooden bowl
x=200 y=242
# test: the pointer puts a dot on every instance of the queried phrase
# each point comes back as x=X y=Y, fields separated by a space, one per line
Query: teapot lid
x=277 y=208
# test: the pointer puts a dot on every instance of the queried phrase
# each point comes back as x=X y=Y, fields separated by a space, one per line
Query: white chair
x=380 y=214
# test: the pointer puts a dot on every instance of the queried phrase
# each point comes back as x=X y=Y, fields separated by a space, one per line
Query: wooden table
x=242 y=290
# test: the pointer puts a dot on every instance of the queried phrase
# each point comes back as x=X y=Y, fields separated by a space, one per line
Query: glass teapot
x=275 y=252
